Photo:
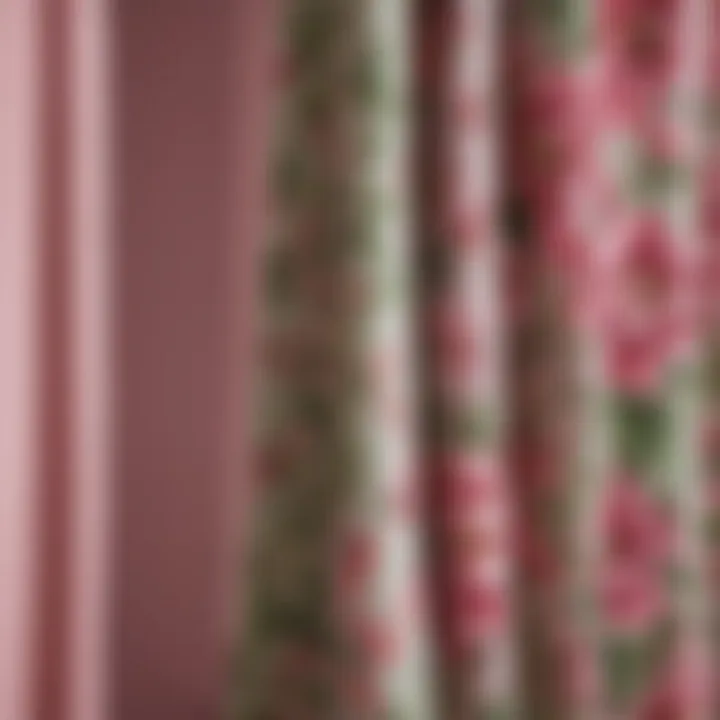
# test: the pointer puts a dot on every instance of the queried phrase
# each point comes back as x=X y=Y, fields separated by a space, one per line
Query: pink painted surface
x=18 y=352
x=192 y=84
x=55 y=340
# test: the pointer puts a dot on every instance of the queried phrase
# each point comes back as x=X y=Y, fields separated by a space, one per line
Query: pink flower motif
x=633 y=599
x=456 y=342
x=479 y=610
x=555 y=104
x=642 y=43
x=639 y=531
x=638 y=544
x=468 y=482
x=648 y=305
x=683 y=691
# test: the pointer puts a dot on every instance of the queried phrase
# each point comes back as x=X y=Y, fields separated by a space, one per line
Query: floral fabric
x=466 y=471
x=335 y=623
x=487 y=414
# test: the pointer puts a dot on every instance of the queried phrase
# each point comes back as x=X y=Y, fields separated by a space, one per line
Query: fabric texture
x=487 y=413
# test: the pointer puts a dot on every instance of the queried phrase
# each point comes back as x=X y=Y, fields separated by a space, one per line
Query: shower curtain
x=488 y=406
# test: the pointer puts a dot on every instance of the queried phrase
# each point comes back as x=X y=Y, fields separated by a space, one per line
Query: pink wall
x=19 y=250
x=191 y=116
x=133 y=140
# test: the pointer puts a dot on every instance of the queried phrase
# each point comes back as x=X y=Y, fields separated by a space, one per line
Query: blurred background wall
x=133 y=138
x=192 y=116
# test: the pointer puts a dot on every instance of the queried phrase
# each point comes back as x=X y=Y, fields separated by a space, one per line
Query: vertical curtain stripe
x=336 y=615
x=464 y=383
x=651 y=572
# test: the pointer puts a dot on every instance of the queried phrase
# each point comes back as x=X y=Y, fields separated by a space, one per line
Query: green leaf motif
x=631 y=663
x=625 y=664
x=643 y=427
x=312 y=28
x=565 y=23
x=469 y=427
x=656 y=176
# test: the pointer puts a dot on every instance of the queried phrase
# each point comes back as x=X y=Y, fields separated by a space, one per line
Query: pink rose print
x=469 y=483
x=479 y=611
x=643 y=41
x=648 y=312
x=638 y=544
x=555 y=153
x=639 y=531
x=633 y=599
x=680 y=692
x=456 y=343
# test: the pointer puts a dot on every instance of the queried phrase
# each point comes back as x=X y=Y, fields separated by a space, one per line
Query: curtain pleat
x=652 y=567
x=336 y=624
x=486 y=408
x=557 y=443
x=465 y=463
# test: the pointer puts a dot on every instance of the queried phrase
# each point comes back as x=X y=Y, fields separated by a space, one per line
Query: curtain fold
x=557 y=444
x=463 y=348
x=335 y=606
x=488 y=341
x=652 y=585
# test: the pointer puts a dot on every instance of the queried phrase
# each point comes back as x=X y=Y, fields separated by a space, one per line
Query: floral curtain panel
x=487 y=407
